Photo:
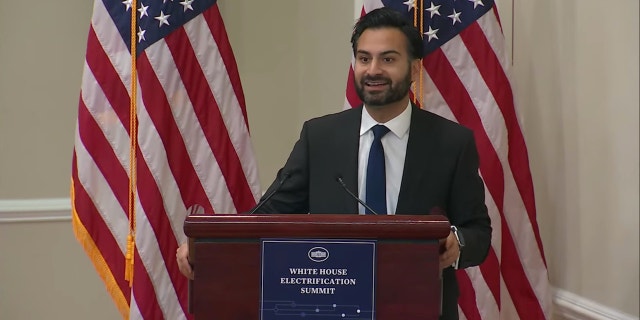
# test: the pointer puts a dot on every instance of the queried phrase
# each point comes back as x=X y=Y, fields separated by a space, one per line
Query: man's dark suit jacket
x=440 y=172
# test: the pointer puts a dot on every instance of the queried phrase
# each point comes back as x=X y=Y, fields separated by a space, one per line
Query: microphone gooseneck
x=285 y=176
x=344 y=186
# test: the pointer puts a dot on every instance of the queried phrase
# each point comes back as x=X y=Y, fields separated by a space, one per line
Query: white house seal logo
x=318 y=254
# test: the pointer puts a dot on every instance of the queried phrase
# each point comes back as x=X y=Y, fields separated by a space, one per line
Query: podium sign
x=317 y=279
x=227 y=252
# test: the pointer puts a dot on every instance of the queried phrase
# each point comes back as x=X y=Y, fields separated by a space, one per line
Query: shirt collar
x=398 y=125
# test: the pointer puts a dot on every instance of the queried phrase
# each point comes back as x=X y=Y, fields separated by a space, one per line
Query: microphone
x=344 y=186
x=285 y=176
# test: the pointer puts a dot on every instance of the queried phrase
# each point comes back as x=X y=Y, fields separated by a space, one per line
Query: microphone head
x=344 y=186
x=281 y=177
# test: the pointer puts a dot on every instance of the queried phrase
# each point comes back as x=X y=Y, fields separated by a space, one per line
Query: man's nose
x=374 y=67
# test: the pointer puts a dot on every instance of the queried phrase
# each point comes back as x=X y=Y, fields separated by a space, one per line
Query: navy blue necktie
x=376 y=181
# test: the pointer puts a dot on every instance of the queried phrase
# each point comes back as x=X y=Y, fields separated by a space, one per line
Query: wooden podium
x=225 y=251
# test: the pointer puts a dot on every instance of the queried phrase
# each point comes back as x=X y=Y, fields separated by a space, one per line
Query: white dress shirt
x=395 y=150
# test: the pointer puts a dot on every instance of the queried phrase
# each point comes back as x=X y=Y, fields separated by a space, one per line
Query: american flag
x=466 y=79
x=187 y=143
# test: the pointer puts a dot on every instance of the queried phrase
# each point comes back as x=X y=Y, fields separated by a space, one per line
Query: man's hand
x=450 y=251
x=182 y=256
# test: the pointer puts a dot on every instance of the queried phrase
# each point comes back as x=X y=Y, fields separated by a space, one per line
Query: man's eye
x=388 y=59
x=364 y=59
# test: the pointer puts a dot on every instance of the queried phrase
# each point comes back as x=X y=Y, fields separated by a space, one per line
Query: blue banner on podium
x=317 y=279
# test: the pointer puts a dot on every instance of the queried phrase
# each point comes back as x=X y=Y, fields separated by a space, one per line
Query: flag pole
x=418 y=22
x=133 y=134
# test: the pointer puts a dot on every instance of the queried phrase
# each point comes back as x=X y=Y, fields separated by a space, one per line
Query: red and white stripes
x=193 y=148
x=466 y=80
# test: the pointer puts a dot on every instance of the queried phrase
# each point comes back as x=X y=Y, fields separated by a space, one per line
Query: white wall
x=293 y=66
x=575 y=76
x=44 y=274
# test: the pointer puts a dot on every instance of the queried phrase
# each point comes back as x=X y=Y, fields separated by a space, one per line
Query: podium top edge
x=324 y=218
x=317 y=225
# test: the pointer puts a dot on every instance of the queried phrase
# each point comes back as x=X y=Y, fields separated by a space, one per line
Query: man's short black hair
x=388 y=18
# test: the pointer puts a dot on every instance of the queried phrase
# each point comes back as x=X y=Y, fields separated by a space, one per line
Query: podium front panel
x=227 y=280
x=226 y=249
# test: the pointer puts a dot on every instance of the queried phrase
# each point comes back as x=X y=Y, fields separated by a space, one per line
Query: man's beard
x=394 y=93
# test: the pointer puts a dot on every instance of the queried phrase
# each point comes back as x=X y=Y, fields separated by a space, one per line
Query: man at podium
x=387 y=156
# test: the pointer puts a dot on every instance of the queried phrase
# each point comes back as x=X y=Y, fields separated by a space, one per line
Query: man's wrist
x=461 y=245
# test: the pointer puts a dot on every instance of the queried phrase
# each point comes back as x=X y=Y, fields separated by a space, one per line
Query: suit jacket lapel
x=348 y=149
x=417 y=159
